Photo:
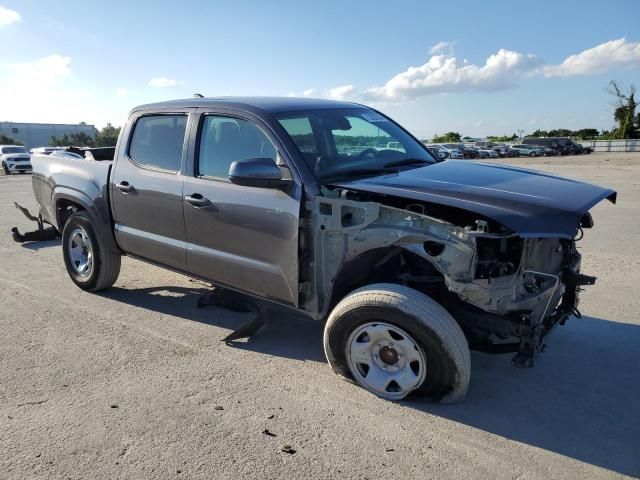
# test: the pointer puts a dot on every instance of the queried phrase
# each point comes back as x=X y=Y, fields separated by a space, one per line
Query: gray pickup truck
x=410 y=262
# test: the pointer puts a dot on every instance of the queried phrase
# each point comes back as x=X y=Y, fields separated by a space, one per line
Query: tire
x=104 y=267
x=436 y=336
x=6 y=170
x=533 y=154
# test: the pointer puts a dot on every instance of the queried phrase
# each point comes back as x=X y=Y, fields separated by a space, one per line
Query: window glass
x=224 y=140
x=347 y=142
x=14 y=150
x=157 y=141
x=363 y=136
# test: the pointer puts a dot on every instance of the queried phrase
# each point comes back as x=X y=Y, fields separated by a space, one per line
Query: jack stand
x=236 y=302
x=40 y=235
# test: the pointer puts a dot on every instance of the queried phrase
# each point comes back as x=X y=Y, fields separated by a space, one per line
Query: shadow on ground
x=286 y=333
x=581 y=399
x=40 y=245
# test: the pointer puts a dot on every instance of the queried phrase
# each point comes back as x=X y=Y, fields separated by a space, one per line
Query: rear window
x=157 y=141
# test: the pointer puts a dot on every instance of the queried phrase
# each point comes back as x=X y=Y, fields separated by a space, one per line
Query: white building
x=39 y=134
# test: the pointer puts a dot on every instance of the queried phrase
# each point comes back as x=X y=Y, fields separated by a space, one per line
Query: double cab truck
x=410 y=262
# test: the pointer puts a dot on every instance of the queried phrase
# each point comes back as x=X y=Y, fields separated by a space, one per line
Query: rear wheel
x=89 y=263
x=533 y=154
x=395 y=341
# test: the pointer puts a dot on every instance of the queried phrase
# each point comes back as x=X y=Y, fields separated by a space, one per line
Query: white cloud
x=342 y=92
x=305 y=93
x=162 y=82
x=444 y=73
x=8 y=16
x=42 y=90
x=612 y=54
x=442 y=48
x=122 y=92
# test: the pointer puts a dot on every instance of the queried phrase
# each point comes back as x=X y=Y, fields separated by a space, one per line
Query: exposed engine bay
x=506 y=292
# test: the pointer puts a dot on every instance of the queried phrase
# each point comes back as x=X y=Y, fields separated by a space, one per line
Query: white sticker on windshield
x=373 y=117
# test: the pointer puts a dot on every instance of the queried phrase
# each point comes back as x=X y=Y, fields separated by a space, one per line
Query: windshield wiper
x=406 y=161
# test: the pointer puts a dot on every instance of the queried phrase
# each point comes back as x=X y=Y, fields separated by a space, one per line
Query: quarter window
x=224 y=140
x=158 y=140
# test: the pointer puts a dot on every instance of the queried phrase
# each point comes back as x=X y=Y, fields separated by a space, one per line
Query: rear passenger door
x=239 y=236
x=146 y=188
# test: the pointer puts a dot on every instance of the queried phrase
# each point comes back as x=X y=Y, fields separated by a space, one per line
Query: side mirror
x=256 y=172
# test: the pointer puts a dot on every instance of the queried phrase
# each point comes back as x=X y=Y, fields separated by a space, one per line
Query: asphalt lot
x=135 y=383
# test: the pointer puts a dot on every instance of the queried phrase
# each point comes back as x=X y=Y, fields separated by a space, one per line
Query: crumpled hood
x=531 y=203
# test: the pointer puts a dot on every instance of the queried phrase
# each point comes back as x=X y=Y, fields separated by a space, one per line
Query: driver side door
x=240 y=236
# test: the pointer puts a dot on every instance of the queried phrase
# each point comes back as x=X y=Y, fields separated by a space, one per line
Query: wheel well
x=64 y=209
x=387 y=265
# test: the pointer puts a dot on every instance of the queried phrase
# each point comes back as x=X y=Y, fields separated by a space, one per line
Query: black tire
x=448 y=361
x=533 y=154
x=105 y=264
x=6 y=170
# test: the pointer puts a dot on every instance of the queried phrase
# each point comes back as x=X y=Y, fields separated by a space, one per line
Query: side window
x=224 y=140
x=157 y=141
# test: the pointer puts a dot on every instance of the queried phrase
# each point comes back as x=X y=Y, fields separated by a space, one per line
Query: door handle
x=125 y=187
x=197 y=200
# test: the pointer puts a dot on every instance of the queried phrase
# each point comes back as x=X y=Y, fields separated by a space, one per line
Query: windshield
x=14 y=150
x=344 y=143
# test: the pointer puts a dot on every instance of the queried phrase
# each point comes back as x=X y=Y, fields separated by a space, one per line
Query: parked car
x=561 y=144
x=502 y=150
x=439 y=153
x=15 y=158
x=528 y=150
x=408 y=261
x=490 y=153
x=469 y=152
x=453 y=150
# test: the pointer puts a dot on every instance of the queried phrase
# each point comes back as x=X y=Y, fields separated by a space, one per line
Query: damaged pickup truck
x=409 y=261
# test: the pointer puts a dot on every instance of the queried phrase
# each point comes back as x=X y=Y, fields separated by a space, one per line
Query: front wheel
x=89 y=263
x=6 y=170
x=395 y=341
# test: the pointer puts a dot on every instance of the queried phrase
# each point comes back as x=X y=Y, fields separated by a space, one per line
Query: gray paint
x=532 y=204
x=247 y=237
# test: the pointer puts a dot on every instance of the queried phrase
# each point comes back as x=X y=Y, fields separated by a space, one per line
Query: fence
x=625 y=145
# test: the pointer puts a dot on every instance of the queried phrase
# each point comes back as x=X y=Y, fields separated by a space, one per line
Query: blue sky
x=475 y=67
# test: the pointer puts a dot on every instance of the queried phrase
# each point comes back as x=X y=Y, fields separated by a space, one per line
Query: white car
x=15 y=158
x=453 y=150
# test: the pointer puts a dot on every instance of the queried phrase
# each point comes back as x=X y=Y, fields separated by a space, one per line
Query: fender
x=97 y=208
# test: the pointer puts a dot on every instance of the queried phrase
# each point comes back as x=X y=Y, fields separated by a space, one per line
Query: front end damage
x=506 y=292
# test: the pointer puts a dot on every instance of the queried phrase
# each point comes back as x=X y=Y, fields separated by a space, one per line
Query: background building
x=39 y=134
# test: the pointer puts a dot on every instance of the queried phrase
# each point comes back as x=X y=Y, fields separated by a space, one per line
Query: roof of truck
x=264 y=104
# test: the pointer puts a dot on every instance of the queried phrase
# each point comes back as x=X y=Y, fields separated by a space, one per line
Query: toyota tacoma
x=410 y=262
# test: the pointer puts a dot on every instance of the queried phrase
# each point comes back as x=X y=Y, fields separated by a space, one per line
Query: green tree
x=586 y=133
x=625 y=111
x=504 y=138
x=107 y=136
x=63 y=141
x=449 y=137
x=4 y=140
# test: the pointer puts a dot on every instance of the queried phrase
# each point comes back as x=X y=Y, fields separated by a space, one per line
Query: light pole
x=520 y=132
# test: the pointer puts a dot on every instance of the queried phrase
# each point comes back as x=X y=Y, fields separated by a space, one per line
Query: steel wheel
x=80 y=252
x=385 y=360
